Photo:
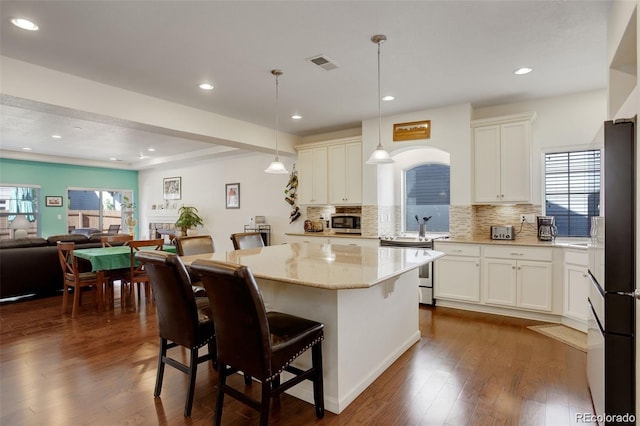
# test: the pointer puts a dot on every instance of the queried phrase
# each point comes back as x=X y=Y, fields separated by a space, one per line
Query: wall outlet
x=529 y=218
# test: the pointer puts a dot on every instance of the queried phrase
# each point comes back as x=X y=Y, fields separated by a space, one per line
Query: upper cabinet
x=330 y=172
x=312 y=175
x=502 y=159
x=345 y=177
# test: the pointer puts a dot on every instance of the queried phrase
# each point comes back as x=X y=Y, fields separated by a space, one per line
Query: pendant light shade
x=379 y=156
x=276 y=166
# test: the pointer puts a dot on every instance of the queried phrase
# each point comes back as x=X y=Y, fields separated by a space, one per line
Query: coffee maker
x=547 y=229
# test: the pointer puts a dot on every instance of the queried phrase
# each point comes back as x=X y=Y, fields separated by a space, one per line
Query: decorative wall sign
x=172 y=188
x=53 y=201
x=412 y=130
x=232 y=195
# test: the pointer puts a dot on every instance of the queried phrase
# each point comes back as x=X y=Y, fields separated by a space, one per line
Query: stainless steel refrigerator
x=611 y=350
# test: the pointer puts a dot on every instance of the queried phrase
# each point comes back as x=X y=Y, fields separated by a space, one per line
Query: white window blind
x=427 y=193
x=572 y=190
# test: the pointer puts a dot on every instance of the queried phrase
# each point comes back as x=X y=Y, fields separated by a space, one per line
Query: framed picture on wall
x=172 y=188
x=53 y=201
x=232 y=195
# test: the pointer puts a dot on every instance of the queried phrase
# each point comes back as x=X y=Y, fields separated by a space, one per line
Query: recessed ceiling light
x=56 y=136
x=523 y=70
x=26 y=148
x=25 y=24
x=296 y=117
x=113 y=159
x=388 y=98
x=206 y=86
x=151 y=149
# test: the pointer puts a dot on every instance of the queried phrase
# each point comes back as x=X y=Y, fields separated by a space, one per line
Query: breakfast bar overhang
x=367 y=298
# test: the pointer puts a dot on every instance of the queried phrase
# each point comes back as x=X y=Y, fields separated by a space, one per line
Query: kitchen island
x=366 y=297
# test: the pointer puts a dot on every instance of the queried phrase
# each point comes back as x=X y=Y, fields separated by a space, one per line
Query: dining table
x=104 y=259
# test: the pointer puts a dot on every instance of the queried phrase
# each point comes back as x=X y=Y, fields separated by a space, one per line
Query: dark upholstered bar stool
x=245 y=240
x=197 y=244
x=183 y=320
x=259 y=343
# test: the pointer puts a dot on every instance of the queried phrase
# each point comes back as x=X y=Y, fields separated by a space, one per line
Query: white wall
x=203 y=186
x=450 y=132
x=562 y=122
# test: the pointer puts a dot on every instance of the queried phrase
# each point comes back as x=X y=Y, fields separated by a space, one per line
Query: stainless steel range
x=425 y=285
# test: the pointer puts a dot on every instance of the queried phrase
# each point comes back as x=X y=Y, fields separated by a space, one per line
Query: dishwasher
x=425 y=284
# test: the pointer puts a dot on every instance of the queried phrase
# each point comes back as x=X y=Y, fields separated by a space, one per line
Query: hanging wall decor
x=290 y=195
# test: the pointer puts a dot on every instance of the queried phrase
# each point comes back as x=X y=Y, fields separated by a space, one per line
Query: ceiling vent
x=323 y=62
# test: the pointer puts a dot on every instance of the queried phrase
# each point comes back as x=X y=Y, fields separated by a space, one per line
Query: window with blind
x=427 y=193
x=572 y=190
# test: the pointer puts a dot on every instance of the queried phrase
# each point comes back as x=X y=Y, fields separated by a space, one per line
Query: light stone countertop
x=326 y=266
x=574 y=243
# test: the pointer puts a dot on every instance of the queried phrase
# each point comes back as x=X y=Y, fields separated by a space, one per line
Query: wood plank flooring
x=468 y=369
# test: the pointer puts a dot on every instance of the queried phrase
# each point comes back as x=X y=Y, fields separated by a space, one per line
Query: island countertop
x=325 y=266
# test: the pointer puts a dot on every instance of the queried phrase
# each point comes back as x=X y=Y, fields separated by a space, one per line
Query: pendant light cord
x=379 y=107
x=277 y=115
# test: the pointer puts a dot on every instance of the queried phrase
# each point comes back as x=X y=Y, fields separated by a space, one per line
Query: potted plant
x=188 y=218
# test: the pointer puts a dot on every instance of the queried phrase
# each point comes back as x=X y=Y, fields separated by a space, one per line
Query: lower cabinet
x=457 y=275
x=330 y=239
x=576 y=286
x=520 y=277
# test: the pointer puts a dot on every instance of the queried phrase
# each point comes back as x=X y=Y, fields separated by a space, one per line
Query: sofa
x=30 y=266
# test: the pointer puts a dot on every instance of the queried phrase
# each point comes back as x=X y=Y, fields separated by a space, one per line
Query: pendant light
x=276 y=166
x=379 y=156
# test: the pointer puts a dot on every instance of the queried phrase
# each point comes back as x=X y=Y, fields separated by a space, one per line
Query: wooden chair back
x=108 y=240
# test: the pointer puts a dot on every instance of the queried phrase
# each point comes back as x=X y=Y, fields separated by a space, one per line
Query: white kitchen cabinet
x=457 y=274
x=312 y=176
x=502 y=159
x=576 y=285
x=345 y=173
x=517 y=276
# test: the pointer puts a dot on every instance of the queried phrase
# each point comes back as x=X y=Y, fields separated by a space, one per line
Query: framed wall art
x=412 y=130
x=172 y=188
x=232 y=195
x=53 y=201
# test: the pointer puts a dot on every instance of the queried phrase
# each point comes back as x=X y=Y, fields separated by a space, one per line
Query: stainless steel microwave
x=345 y=223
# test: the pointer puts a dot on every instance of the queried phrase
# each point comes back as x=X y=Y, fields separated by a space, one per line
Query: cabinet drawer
x=518 y=252
x=577 y=257
x=458 y=249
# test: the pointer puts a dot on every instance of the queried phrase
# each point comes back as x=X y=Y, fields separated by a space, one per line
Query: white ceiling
x=438 y=53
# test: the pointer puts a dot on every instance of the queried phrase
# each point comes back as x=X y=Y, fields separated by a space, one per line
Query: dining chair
x=183 y=319
x=113 y=229
x=245 y=240
x=259 y=343
x=113 y=275
x=137 y=273
x=73 y=278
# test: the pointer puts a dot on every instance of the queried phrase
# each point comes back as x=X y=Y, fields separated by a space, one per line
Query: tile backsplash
x=464 y=221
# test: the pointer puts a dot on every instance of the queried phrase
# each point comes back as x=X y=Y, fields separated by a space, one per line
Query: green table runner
x=107 y=258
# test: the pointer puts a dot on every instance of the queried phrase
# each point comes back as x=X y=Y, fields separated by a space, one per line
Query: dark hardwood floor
x=468 y=369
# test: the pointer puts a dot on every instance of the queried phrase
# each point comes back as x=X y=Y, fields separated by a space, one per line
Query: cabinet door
x=534 y=285
x=486 y=151
x=457 y=278
x=515 y=162
x=499 y=284
x=312 y=176
x=576 y=292
x=353 y=181
x=338 y=175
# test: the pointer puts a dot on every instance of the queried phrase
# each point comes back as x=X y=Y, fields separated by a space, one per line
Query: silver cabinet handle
x=516 y=254
x=635 y=293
